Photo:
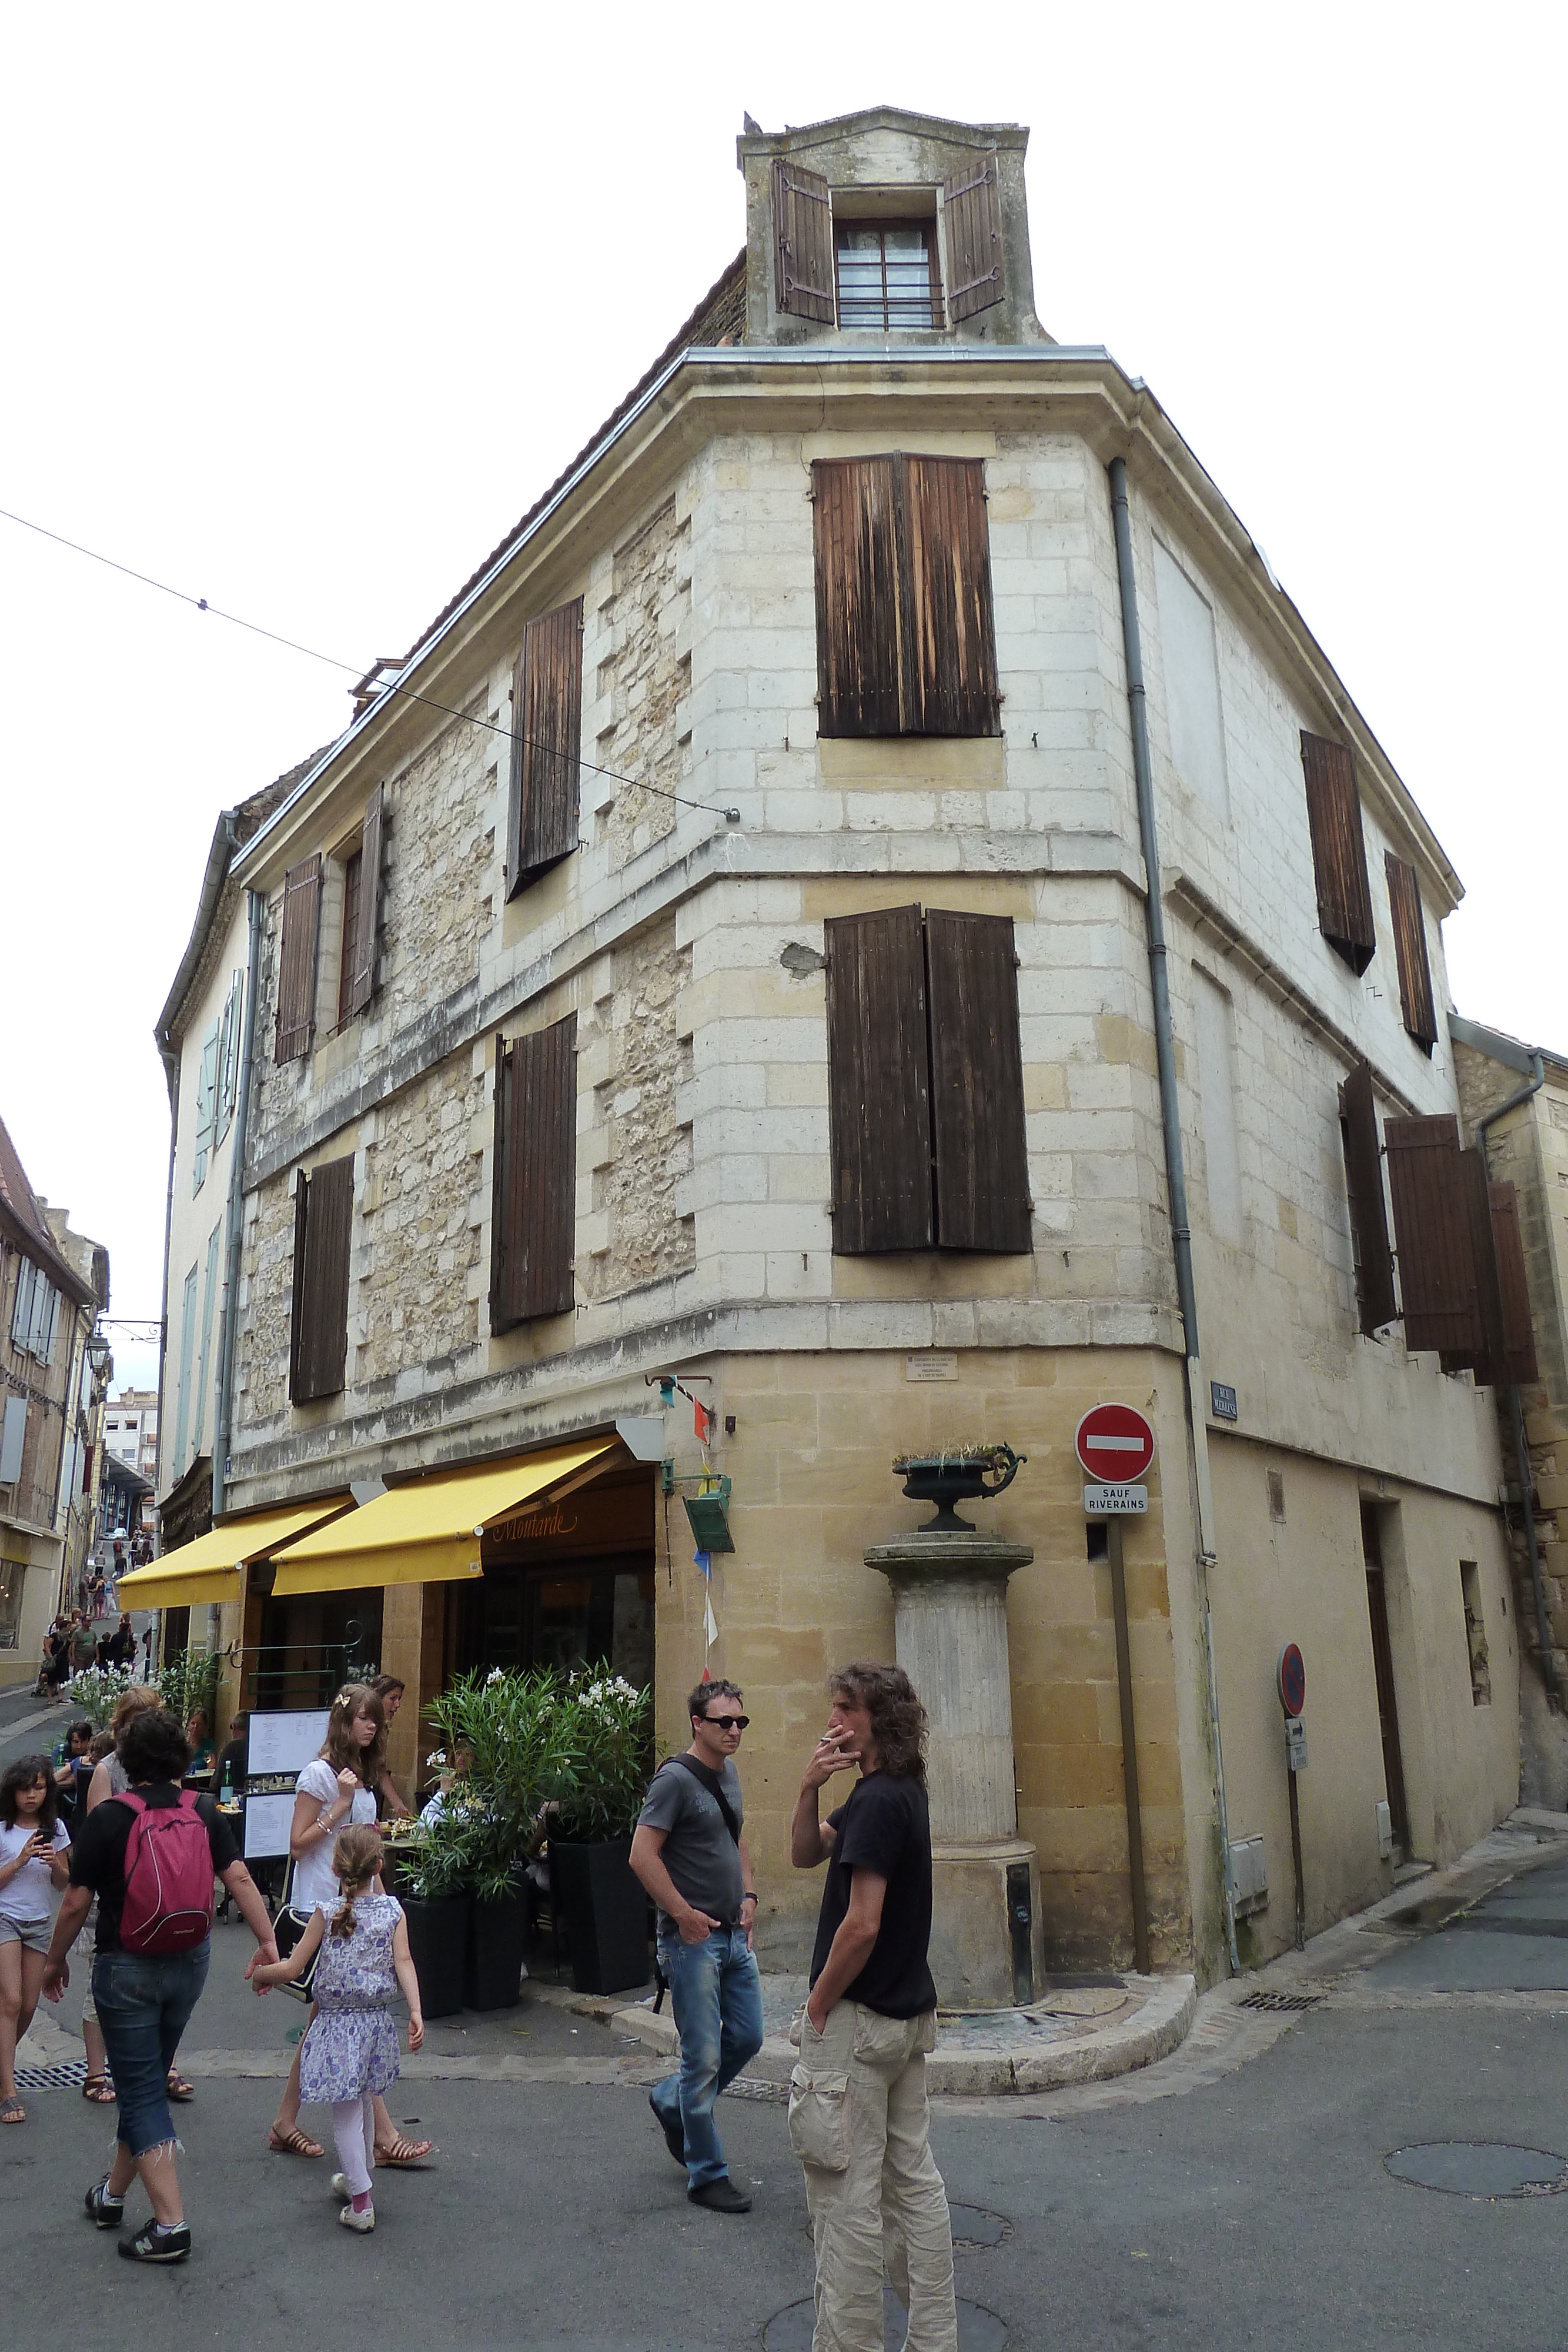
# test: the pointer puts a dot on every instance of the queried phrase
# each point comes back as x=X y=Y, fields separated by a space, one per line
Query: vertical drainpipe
x=1532 y=1085
x=234 y=1233
x=1170 y=1118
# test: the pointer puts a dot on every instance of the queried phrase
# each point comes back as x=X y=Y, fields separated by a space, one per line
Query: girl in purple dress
x=350 y=2053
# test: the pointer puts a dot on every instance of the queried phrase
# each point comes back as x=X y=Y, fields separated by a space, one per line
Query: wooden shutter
x=297 y=961
x=1516 y=1331
x=323 y=1229
x=1432 y=1230
x=977 y=1082
x=879 y=1106
x=359 y=952
x=1339 y=850
x=547 y=746
x=1375 y=1298
x=533 y=1221
x=950 y=629
x=971 y=208
x=861 y=594
x=804 y=222
x=206 y=1106
x=1410 y=952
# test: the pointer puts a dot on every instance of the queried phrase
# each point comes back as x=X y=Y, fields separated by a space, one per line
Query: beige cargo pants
x=860 y=2123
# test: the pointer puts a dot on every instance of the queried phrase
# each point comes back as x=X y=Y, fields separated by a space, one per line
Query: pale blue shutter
x=187 y=1343
x=43 y=1332
x=22 y=1307
x=206 y=1105
x=212 y=1284
x=13 y=1439
x=228 y=1056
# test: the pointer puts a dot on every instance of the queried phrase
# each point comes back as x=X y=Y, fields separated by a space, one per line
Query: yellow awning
x=428 y=1532
x=212 y=1568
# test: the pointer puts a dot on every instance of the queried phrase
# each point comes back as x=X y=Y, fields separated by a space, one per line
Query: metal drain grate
x=1280 y=2003
x=69 y=2075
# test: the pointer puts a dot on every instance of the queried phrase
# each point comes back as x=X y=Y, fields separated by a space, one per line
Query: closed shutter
x=951 y=630
x=207 y=1107
x=323 y=1229
x=533 y=1220
x=977 y=1082
x=1432 y=1230
x=1376 y=1302
x=1410 y=952
x=547 y=745
x=972 y=210
x=1517 y=1327
x=22 y=1305
x=209 y=1292
x=13 y=1440
x=45 y=1350
x=862 y=595
x=187 y=1349
x=297 y=961
x=804 y=222
x=879 y=1105
x=228 y=1056
x=1339 y=850
x=361 y=948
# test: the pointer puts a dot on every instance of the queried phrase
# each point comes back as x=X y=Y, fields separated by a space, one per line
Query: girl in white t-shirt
x=336 y=1792
x=34 y=1846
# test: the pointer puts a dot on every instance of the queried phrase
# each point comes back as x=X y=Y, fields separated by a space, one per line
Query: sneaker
x=106 y=2210
x=674 y=2134
x=720 y=2197
x=151 y=2244
x=338 y=2185
x=363 y=2222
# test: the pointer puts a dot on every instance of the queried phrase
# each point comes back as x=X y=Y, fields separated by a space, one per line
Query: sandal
x=12 y=2111
x=98 y=2090
x=406 y=2153
x=177 y=2087
x=293 y=2142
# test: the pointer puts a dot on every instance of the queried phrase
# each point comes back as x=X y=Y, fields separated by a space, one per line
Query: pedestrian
x=151 y=1857
x=349 y=2056
x=96 y=2087
x=108 y=1779
x=337 y=1791
x=34 y=1845
x=690 y=1855
x=122 y=1644
x=859 y=2120
x=146 y=1653
x=57 y=1660
x=82 y=1642
x=199 y=1742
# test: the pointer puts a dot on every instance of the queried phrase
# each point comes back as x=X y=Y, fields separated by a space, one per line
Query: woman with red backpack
x=151 y=1857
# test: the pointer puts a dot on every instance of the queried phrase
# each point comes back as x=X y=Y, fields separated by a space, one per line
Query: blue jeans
x=717 y=1996
x=144 y=2001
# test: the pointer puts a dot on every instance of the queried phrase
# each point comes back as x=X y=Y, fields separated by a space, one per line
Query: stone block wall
x=417 y=1231
x=639 y=725
x=635 y=1156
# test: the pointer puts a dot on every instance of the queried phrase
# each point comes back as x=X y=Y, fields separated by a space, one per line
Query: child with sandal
x=35 y=1855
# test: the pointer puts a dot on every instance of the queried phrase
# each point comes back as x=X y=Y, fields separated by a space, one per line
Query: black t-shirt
x=232 y=1761
x=885 y=1827
x=98 y=1852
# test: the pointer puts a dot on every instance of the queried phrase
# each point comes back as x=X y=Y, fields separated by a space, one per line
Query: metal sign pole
x=1130 y=1748
x=1296 y=1847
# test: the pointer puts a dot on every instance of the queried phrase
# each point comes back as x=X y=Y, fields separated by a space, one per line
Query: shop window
x=905 y=636
x=547 y=746
x=12 y=1576
x=1475 y=1633
x=319 y=1327
x=925 y=1083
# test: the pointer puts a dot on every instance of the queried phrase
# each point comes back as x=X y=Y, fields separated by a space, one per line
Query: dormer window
x=887 y=275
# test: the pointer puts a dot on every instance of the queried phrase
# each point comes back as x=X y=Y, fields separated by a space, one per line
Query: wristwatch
x=749 y=1895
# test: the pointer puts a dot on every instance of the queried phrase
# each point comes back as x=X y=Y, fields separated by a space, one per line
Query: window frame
x=845 y=223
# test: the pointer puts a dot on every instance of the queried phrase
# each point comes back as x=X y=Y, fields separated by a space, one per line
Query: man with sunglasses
x=690 y=1854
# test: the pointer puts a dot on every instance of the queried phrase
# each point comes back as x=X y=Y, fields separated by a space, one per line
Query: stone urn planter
x=961 y=1475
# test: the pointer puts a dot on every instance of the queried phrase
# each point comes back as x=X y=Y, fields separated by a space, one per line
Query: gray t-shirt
x=698 y=1852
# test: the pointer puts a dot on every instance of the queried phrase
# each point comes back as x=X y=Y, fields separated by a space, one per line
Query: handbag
x=289 y=1925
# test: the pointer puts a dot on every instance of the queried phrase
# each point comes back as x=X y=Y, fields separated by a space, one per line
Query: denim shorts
x=144 y=2001
x=33 y=1935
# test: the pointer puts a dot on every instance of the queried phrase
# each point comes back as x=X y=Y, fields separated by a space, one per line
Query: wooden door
x=1383 y=1667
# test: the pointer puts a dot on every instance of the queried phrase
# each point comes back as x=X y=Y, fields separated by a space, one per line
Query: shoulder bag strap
x=709 y=1780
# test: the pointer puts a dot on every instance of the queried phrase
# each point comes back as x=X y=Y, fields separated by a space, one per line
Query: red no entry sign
x=1115 y=1444
x=1293 y=1678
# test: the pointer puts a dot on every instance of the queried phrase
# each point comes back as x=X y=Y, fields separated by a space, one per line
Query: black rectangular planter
x=606 y=1915
x=497 y=1935
x=438 y=1940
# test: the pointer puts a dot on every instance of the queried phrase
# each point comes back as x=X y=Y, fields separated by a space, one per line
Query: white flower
x=494 y=1675
x=436 y=1756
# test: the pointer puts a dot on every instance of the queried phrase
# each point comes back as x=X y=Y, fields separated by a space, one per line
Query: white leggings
x=354 y=2129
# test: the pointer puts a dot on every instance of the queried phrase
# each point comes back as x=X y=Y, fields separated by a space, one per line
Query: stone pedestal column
x=951 y=1626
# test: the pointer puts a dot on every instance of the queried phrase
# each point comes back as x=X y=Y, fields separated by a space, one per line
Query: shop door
x=570 y=1613
x=1383 y=1667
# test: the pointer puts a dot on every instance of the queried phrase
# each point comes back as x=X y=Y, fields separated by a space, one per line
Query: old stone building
x=742 y=974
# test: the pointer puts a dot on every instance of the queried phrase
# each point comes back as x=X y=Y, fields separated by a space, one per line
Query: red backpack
x=168 y=1877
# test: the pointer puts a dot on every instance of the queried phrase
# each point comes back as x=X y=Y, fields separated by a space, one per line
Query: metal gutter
x=236 y=1213
x=1170 y=1122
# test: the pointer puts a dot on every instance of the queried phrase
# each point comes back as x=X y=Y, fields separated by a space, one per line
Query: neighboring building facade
x=130 y=1429
x=53 y=1283
x=744 y=974
x=1520 y=1094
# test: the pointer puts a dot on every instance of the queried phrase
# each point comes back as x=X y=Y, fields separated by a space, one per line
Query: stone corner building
x=744 y=975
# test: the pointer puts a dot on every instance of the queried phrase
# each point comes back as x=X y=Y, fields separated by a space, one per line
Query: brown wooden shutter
x=971 y=208
x=1339 y=850
x=1432 y=1228
x=1516 y=1332
x=977 y=1082
x=362 y=976
x=950 y=630
x=1376 y=1302
x=804 y=222
x=547 y=745
x=1410 y=952
x=533 y=1220
x=878 y=1106
x=297 y=961
x=323 y=1230
x=862 y=595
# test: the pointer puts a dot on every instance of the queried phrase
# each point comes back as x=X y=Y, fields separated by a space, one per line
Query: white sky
x=303 y=307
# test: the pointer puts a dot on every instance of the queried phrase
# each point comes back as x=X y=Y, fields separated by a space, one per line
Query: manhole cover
x=979 y=2330
x=1480 y=2169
